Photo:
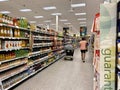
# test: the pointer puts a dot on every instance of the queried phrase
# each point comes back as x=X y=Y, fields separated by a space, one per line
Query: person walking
x=83 y=48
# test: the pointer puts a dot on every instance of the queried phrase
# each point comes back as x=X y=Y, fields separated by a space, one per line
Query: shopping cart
x=69 y=50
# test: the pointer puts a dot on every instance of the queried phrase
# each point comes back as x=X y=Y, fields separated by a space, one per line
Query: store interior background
x=62 y=6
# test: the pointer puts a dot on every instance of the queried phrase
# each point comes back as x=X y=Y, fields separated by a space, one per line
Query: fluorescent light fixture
x=25 y=10
x=38 y=16
x=63 y=20
x=78 y=5
x=80 y=13
x=3 y=0
x=32 y=21
x=47 y=21
x=56 y=14
x=81 y=19
x=4 y=12
x=82 y=22
x=83 y=25
x=49 y=8
x=67 y=23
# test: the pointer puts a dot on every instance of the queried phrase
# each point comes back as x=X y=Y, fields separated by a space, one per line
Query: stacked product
x=96 y=58
x=25 y=50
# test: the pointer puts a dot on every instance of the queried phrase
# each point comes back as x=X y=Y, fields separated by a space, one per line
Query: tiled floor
x=63 y=75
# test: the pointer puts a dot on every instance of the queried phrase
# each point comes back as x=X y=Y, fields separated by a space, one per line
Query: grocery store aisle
x=63 y=75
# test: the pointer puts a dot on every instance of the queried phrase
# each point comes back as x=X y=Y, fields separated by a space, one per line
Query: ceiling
x=62 y=6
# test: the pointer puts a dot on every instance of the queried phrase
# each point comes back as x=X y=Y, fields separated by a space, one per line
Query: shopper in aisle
x=83 y=48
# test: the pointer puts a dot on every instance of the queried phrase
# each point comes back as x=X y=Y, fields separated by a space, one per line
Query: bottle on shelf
x=18 y=33
x=1 y=31
x=1 y=18
x=15 y=33
x=11 y=21
x=11 y=32
x=4 y=31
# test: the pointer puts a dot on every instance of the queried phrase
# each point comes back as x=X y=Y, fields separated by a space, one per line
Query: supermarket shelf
x=41 y=60
x=44 y=39
x=1 y=37
x=42 y=32
x=32 y=74
x=14 y=49
x=12 y=59
x=4 y=78
x=14 y=27
x=38 y=53
x=41 y=46
x=12 y=67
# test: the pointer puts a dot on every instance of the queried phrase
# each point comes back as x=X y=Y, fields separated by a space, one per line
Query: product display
x=17 y=62
x=118 y=48
x=96 y=58
x=25 y=50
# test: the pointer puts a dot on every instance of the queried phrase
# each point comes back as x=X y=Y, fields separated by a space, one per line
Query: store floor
x=63 y=75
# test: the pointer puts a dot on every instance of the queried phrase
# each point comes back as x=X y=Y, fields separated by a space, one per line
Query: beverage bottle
x=1 y=18
x=11 y=21
x=5 y=20
x=15 y=33
x=15 y=21
x=1 y=31
x=18 y=33
x=11 y=32
x=4 y=31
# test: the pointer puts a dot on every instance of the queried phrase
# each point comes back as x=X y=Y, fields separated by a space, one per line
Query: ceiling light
x=3 y=0
x=78 y=5
x=47 y=21
x=4 y=12
x=49 y=8
x=81 y=19
x=82 y=22
x=63 y=20
x=38 y=16
x=56 y=14
x=83 y=25
x=67 y=23
x=32 y=21
x=80 y=13
x=25 y=10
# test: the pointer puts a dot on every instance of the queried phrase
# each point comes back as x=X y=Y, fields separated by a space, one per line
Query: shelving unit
x=118 y=48
x=24 y=52
x=96 y=58
x=14 y=49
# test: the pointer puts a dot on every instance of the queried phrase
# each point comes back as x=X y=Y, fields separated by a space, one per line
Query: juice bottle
x=11 y=32
x=18 y=33
x=4 y=31
x=11 y=21
x=8 y=31
x=15 y=33
x=5 y=20
x=1 y=18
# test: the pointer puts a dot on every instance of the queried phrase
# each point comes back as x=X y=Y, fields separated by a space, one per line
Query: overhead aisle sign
x=107 y=46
